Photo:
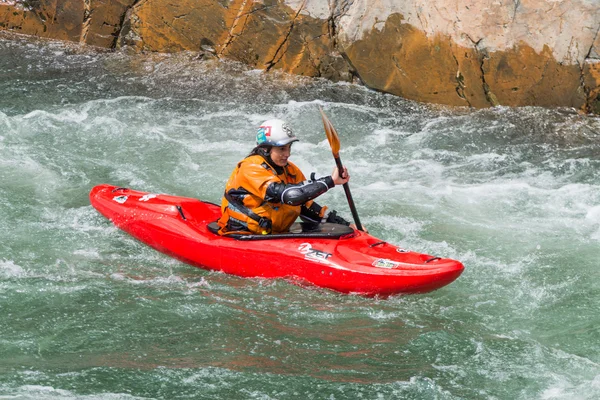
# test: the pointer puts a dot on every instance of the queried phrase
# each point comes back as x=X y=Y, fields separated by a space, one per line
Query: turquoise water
x=87 y=312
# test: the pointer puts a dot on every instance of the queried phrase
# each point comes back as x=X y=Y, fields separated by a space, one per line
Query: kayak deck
x=297 y=230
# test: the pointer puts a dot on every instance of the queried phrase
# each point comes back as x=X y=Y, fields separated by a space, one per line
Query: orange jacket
x=248 y=185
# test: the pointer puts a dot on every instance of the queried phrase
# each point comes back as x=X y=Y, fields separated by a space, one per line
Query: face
x=280 y=155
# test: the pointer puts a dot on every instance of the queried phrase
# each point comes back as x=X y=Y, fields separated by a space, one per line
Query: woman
x=266 y=193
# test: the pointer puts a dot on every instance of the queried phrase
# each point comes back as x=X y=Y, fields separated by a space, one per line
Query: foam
x=567 y=388
x=162 y=281
x=68 y=116
x=87 y=253
x=593 y=215
x=40 y=392
x=9 y=269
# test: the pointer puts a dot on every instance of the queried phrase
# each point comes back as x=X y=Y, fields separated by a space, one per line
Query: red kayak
x=331 y=256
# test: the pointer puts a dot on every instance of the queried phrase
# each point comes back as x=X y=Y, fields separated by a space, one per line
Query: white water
x=88 y=312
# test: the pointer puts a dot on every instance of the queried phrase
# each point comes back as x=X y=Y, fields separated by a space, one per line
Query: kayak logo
x=313 y=254
x=147 y=197
x=385 y=263
x=120 y=199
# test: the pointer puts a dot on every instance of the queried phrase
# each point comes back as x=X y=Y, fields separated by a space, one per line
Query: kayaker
x=266 y=193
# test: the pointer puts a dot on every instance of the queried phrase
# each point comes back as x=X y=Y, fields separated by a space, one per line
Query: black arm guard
x=300 y=193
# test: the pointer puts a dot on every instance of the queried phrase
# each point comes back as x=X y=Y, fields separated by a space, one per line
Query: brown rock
x=268 y=35
x=273 y=35
x=591 y=78
x=96 y=23
x=172 y=25
x=401 y=59
x=54 y=19
x=522 y=77
x=102 y=21
x=591 y=75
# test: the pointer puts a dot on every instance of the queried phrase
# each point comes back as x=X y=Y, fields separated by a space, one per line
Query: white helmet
x=275 y=132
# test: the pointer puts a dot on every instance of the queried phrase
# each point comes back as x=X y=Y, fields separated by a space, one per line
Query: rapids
x=87 y=312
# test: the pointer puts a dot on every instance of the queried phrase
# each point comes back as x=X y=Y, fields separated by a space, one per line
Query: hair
x=261 y=150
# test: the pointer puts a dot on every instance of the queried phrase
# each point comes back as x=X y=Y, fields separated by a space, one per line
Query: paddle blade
x=332 y=135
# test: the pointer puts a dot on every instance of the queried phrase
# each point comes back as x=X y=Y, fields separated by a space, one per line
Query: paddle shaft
x=340 y=168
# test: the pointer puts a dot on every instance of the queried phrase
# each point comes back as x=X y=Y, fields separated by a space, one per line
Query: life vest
x=244 y=206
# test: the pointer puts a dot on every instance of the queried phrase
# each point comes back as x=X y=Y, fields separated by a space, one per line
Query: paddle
x=334 y=142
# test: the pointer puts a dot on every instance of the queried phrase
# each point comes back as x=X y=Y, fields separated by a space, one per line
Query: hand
x=365 y=230
x=337 y=179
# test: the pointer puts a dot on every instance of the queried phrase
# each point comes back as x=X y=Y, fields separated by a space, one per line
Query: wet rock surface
x=454 y=52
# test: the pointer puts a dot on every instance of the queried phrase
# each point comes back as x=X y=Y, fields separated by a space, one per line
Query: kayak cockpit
x=297 y=230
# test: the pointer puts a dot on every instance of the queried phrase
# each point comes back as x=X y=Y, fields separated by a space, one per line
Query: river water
x=87 y=312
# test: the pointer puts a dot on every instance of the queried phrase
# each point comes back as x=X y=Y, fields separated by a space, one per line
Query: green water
x=86 y=312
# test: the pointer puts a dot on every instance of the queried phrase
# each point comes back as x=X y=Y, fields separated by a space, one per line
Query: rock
x=43 y=19
x=103 y=20
x=472 y=53
x=591 y=78
x=263 y=35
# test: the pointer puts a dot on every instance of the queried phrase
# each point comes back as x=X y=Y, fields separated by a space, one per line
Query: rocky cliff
x=475 y=53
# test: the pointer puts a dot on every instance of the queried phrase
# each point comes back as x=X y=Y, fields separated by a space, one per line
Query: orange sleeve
x=293 y=169
x=255 y=178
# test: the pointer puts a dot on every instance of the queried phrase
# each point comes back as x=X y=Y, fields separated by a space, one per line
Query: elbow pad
x=298 y=194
